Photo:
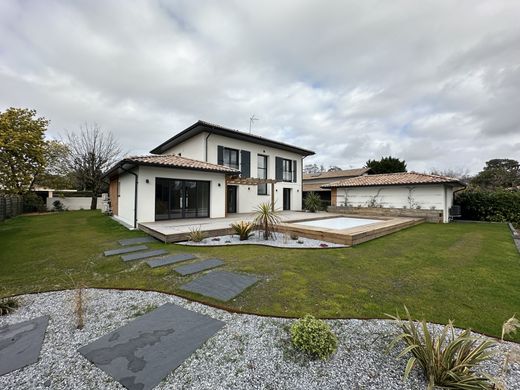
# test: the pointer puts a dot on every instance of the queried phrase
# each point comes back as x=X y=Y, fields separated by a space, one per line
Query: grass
x=466 y=272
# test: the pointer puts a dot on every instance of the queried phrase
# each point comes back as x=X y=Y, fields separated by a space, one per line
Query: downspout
x=135 y=194
x=206 y=145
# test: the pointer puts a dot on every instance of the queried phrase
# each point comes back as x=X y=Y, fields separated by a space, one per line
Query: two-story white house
x=206 y=171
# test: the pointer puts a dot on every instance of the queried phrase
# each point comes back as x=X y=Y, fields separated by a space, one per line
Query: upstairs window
x=262 y=174
x=287 y=170
x=231 y=158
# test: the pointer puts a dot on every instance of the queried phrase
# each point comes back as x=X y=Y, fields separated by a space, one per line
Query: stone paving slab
x=170 y=260
x=127 y=249
x=144 y=255
x=137 y=240
x=221 y=285
x=140 y=354
x=189 y=269
x=20 y=343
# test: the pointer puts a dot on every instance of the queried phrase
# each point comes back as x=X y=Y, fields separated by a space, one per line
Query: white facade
x=421 y=196
x=73 y=203
x=247 y=198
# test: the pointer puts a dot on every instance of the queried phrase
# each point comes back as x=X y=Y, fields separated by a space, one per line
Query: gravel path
x=250 y=352
x=280 y=240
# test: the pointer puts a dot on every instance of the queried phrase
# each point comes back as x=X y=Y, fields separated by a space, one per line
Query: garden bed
x=249 y=352
x=280 y=240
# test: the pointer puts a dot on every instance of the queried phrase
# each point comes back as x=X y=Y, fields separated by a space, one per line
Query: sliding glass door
x=176 y=199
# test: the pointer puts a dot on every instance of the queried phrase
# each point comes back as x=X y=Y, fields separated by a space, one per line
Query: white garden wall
x=426 y=196
x=73 y=203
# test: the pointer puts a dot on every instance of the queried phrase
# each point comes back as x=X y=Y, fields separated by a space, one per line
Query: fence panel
x=10 y=206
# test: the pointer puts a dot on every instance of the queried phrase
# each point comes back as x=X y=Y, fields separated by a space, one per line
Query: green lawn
x=466 y=272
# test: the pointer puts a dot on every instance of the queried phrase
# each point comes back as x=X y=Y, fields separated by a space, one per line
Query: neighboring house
x=408 y=190
x=206 y=171
x=312 y=182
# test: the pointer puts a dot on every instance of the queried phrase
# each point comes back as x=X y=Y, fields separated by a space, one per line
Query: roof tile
x=392 y=179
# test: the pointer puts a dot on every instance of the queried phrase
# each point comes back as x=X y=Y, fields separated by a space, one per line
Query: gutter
x=206 y=145
x=135 y=194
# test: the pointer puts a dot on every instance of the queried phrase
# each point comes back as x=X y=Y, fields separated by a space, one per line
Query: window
x=287 y=169
x=262 y=174
x=231 y=158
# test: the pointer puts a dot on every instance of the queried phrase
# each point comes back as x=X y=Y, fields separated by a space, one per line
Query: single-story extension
x=206 y=171
x=406 y=190
x=313 y=182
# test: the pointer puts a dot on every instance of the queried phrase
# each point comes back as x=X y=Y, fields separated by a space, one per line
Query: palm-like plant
x=312 y=202
x=266 y=218
x=243 y=229
x=448 y=361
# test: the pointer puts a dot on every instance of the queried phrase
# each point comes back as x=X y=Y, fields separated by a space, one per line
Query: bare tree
x=92 y=151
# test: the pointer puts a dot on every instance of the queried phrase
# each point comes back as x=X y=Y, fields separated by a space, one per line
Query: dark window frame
x=262 y=188
x=287 y=175
x=226 y=152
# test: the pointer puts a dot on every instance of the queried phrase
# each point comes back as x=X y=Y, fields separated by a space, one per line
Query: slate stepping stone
x=170 y=260
x=189 y=269
x=137 y=240
x=221 y=285
x=20 y=343
x=142 y=353
x=144 y=255
x=128 y=249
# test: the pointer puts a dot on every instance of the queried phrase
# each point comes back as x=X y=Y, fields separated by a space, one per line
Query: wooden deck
x=355 y=235
x=178 y=230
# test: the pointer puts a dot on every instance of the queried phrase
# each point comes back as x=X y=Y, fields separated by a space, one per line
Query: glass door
x=176 y=199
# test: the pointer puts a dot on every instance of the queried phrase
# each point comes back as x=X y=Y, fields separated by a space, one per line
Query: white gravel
x=250 y=352
x=280 y=240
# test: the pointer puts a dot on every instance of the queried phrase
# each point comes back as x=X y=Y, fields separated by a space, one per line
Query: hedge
x=495 y=206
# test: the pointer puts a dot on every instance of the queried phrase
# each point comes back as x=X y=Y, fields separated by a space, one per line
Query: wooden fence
x=10 y=206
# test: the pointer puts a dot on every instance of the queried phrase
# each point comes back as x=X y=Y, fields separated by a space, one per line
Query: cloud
x=435 y=83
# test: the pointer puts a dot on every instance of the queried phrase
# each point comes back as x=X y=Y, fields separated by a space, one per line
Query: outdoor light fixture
x=218 y=184
x=147 y=181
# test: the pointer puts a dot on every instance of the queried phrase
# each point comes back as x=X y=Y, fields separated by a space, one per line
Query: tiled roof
x=171 y=161
x=313 y=187
x=389 y=179
x=336 y=174
x=201 y=126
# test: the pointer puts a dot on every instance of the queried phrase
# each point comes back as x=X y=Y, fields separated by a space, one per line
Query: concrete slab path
x=199 y=266
x=20 y=343
x=221 y=285
x=144 y=255
x=127 y=249
x=140 y=354
x=137 y=240
x=170 y=260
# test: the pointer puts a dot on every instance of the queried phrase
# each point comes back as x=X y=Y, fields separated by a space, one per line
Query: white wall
x=248 y=197
x=146 y=191
x=73 y=203
x=429 y=197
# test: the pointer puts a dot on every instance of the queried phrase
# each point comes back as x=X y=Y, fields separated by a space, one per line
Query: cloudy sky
x=434 y=82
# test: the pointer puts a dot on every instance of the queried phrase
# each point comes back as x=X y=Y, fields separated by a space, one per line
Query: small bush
x=33 y=203
x=8 y=305
x=294 y=236
x=312 y=202
x=243 y=229
x=58 y=206
x=196 y=235
x=314 y=337
x=448 y=361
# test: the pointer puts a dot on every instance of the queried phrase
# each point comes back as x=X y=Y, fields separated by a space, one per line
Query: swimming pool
x=339 y=222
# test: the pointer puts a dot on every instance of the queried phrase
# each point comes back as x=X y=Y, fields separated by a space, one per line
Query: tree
x=21 y=149
x=498 y=173
x=458 y=173
x=386 y=165
x=313 y=168
x=92 y=152
x=56 y=174
x=334 y=168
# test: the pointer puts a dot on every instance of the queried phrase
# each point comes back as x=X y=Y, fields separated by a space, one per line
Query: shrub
x=195 y=234
x=494 y=206
x=33 y=203
x=58 y=206
x=8 y=305
x=243 y=229
x=312 y=202
x=448 y=361
x=314 y=337
x=266 y=218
